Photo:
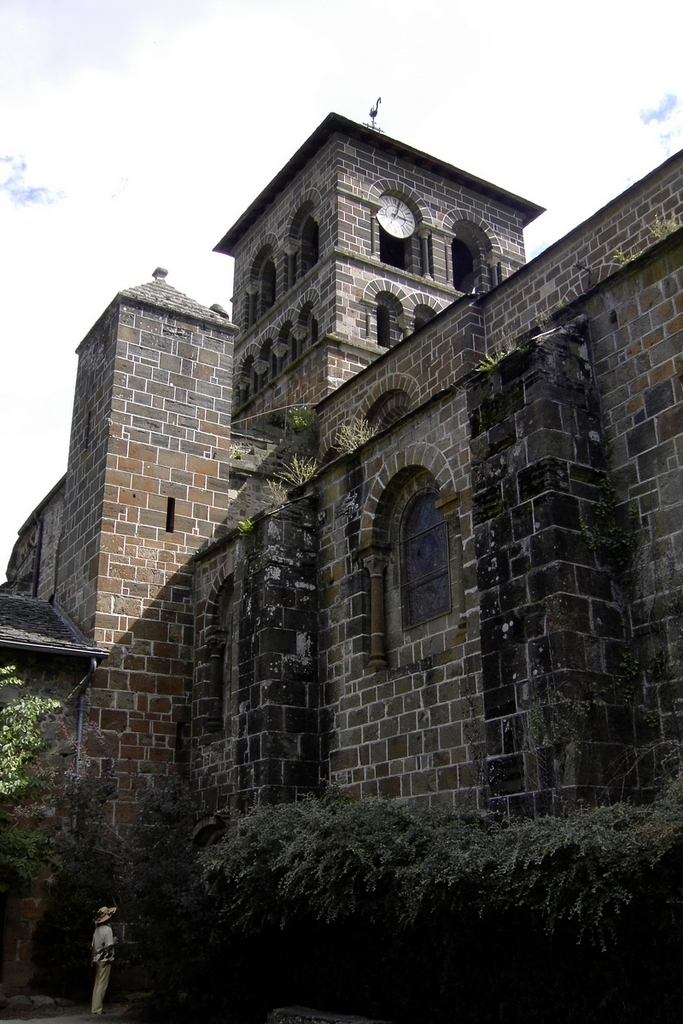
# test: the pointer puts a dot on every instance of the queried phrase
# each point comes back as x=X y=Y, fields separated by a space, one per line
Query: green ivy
x=23 y=848
x=21 y=740
x=606 y=536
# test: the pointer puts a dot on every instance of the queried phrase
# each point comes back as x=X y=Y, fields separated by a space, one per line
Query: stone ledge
x=300 y=1014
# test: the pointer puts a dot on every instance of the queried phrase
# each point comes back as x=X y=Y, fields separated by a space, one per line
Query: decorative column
x=448 y=258
x=261 y=367
x=369 y=312
x=252 y=292
x=280 y=350
x=291 y=251
x=299 y=334
x=374 y=232
x=374 y=557
x=406 y=324
x=424 y=235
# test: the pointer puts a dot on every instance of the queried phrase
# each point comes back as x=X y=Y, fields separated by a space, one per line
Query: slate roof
x=336 y=123
x=162 y=295
x=27 y=623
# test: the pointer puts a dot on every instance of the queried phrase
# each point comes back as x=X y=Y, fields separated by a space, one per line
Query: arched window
x=267 y=285
x=306 y=329
x=393 y=250
x=245 y=381
x=425 y=584
x=309 y=245
x=423 y=314
x=463 y=266
x=388 y=408
x=388 y=311
x=303 y=246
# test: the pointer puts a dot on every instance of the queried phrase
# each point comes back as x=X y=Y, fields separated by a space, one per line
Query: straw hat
x=103 y=914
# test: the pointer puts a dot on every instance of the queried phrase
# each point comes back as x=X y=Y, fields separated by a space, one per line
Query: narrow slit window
x=170 y=515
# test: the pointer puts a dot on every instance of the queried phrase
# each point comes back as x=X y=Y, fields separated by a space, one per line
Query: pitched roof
x=336 y=123
x=27 y=623
x=164 y=296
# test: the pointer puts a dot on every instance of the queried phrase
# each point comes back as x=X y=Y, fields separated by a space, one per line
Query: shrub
x=377 y=909
x=352 y=435
x=300 y=419
x=299 y=471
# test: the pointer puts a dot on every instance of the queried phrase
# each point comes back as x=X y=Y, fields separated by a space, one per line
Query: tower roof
x=334 y=123
x=162 y=295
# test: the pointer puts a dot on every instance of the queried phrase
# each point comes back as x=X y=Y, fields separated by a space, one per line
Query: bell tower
x=355 y=244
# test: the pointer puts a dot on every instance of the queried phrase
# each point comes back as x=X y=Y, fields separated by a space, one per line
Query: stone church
x=410 y=525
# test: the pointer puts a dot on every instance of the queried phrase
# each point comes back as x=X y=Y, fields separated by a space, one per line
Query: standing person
x=102 y=955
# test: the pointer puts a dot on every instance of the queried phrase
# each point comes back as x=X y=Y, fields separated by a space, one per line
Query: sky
x=133 y=133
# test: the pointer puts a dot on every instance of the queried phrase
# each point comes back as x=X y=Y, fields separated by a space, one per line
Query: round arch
x=393 y=383
x=396 y=471
x=475 y=230
x=383 y=284
x=306 y=203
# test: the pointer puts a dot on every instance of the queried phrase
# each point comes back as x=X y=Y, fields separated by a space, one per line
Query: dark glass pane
x=428 y=600
x=426 y=554
x=422 y=515
x=426 y=587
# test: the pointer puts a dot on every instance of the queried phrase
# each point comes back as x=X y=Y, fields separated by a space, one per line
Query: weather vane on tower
x=373 y=114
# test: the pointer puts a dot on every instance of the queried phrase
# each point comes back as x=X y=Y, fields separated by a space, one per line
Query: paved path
x=116 y=1013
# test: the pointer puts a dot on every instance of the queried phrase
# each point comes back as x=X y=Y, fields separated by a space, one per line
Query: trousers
x=102 y=972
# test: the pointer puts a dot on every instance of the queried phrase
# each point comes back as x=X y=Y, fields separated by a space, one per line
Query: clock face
x=396 y=217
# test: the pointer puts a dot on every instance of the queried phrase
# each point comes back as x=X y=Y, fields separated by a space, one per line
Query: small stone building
x=53 y=659
x=410 y=525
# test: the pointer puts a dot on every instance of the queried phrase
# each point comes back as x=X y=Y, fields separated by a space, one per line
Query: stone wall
x=32 y=568
x=147 y=490
x=257 y=709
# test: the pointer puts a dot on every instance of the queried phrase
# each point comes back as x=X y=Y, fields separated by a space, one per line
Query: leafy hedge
x=376 y=909
x=334 y=859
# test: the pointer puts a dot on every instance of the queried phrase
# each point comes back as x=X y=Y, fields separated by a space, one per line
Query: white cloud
x=14 y=185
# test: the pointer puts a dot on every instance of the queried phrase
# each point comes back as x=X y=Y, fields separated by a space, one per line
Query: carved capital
x=374 y=557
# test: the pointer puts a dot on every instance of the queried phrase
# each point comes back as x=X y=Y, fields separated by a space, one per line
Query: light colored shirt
x=102 y=949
